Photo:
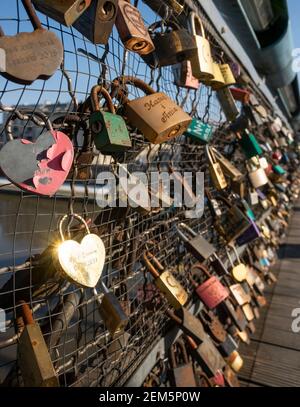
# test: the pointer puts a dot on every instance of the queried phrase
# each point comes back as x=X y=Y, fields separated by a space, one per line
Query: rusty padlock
x=155 y=115
x=182 y=369
x=131 y=28
x=64 y=11
x=211 y=292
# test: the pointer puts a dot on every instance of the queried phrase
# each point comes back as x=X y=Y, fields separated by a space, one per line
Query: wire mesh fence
x=81 y=348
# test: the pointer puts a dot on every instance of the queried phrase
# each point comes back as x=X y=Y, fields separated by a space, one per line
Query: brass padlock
x=201 y=62
x=215 y=170
x=131 y=28
x=155 y=115
x=64 y=11
x=227 y=74
x=227 y=104
x=235 y=361
x=172 y=45
x=96 y=23
x=33 y=357
x=111 y=311
x=239 y=272
x=217 y=82
x=166 y=282
x=108 y=129
x=182 y=368
x=227 y=167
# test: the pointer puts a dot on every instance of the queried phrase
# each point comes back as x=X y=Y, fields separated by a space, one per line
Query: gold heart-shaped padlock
x=82 y=263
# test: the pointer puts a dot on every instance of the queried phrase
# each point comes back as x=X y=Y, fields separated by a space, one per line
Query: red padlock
x=211 y=292
x=242 y=95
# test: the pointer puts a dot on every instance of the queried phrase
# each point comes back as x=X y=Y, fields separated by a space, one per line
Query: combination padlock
x=155 y=115
x=131 y=28
x=108 y=129
x=33 y=356
x=211 y=292
x=64 y=11
x=166 y=282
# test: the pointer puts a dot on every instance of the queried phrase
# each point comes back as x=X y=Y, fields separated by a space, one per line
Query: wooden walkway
x=273 y=357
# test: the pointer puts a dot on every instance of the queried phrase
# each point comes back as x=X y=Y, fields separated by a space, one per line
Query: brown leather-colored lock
x=155 y=115
x=182 y=368
x=214 y=326
x=131 y=28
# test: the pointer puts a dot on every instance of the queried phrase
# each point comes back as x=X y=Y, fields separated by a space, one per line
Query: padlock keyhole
x=96 y=127
x=108 y=11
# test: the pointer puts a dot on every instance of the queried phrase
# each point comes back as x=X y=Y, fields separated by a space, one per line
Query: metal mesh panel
x=81 y=349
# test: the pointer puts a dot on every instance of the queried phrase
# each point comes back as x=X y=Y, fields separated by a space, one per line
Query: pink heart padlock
x=40 y=167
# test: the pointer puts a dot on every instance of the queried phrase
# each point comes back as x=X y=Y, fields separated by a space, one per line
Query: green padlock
x=250 y=145
x=109 y=130
x=199 y=131
x=278 y=169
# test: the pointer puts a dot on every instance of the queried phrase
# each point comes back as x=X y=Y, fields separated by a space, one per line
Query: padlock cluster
x=198 y=270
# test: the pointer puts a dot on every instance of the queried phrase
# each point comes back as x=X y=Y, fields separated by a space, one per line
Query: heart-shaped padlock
x=40 y=167
x=82 y=263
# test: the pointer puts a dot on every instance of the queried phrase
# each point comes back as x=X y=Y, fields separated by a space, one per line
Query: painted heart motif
x=83 y=262
x=31 y=56
x=39 y=167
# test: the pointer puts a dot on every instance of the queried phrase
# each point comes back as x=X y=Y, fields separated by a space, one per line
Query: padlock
x=235 y=361
x=239 y=294
x=96 y=23
x=188 y=323
x=155 y=115
x=227 y=167
x=33 y=356
x=230 y=377
x=199 y=131
x=238 y=272
x=235 y=313
x=256 y=174
x=176 y=6
x=31 y=55
x=248 y=311
x=241 y=95
x=253 y=197
x=183 y=76
x=213 y=204
x=217 y=82
x=182 y=368
x=64 y=11
x=235 y=69
x=227 y=74
x=110 y=309
x=200 y=248
x=213 y=325
x=211 y=292
x=215 y=170
x=250 y=145
x=172 y=46
x=250 y=235
x=228 y=346
x=262 y=198
x=201 y=62
x=166 y=282
x=108 y=129
x=227 y=104
x=232 y=224
x=207 y=355
x=131 y=28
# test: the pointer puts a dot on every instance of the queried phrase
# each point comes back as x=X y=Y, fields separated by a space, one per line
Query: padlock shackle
x=124 y=80
x=210 y=155
x=148 y=257
x=187 y=229
x=74 y=215
x=185 y=360
x=200 y=267
x=193 y=17
x=168 y=24
x=30 y=11
x=95 y=93
x=26 y=313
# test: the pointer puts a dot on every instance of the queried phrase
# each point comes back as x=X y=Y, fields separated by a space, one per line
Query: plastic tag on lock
x=199 y=131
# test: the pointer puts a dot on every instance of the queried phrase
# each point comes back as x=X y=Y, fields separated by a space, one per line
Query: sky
x=84 y=72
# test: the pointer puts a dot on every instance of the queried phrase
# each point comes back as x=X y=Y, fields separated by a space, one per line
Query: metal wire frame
x=80 y=347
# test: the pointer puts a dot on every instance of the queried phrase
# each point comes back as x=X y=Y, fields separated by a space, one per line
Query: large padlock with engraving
x=172 y=46
x=202 y=66
x=182 y=368
x=227 y=103
x=108 y=129
x=200 y=248
x=64 y=11
x=211 y=292
x=113 y=314
x=155 y=115
x=215 y=170
x=200 y=131
x=31 y=55
x=183 y=75
x=166 y=282
x=97 y=21
x=131 y=28
x=33 y=356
